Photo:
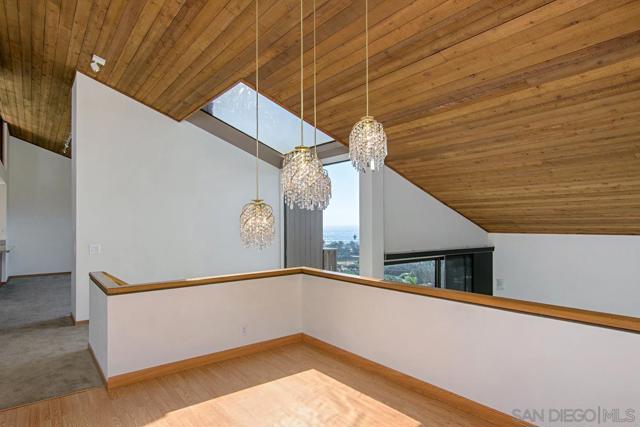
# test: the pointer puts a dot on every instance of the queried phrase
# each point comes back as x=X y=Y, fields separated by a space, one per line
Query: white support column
x=76 y=286
x=4 y=193
x=372 y=224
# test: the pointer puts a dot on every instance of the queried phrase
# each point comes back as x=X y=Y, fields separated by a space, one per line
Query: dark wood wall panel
x=522 y=115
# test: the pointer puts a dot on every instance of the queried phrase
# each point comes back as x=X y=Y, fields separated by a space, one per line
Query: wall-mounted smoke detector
x=97 y=63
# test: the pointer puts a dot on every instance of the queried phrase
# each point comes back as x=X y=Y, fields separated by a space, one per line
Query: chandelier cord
x=315 y=106
x=366 y=50
x=257 y=119
x=301 y=76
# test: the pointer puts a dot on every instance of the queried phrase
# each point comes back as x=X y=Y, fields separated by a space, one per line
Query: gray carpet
x=42 y=354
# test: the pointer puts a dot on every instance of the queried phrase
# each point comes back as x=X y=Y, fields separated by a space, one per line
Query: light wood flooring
x=295 y=385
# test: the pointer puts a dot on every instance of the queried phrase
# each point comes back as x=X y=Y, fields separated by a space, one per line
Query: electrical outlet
x=244 y=329
x=95 y=249
x=499 y=285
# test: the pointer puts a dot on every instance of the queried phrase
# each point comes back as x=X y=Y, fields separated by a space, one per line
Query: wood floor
x=296 y=385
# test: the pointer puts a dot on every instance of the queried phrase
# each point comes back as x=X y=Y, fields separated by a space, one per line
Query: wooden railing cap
x=111 y=285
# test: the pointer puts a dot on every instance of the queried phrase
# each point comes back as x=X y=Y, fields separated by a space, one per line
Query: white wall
x=415 y=221
x=501 y=359
x=39 y=216
x=599 y=273
x=162 y=198
x=203 y=320
x=3 y=166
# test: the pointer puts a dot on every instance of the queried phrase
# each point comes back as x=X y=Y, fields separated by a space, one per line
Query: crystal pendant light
x=305 y=182
x=257 y=225
x=367 y=141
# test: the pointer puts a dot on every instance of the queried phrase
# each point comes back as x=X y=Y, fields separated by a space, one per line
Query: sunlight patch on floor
x=308 y=398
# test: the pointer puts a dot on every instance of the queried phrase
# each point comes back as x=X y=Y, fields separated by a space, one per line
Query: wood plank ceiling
x=523 y=115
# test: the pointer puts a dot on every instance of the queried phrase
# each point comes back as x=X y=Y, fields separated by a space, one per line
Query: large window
x=467 y=270
x=279 y=128
x=425 y=272
x=341 y=231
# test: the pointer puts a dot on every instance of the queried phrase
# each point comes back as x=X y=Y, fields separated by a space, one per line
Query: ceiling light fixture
x=257 y=225
x=305 y=183
x=97 y=63
x=367 y=141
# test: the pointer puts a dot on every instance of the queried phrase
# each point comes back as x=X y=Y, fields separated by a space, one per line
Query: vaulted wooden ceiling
x=523 y=115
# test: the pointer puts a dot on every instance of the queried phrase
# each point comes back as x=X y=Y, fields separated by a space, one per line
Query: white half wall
x=39 y=218
x=416 y=221
x=505 y=360
x=508 y=361
x=600 y=273
x=137 y=331
x=157 y=199
x=99 y=327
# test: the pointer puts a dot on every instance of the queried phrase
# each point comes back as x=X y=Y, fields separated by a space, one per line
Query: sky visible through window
x=341 y=219
x=279 y=128
x=343 y=210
